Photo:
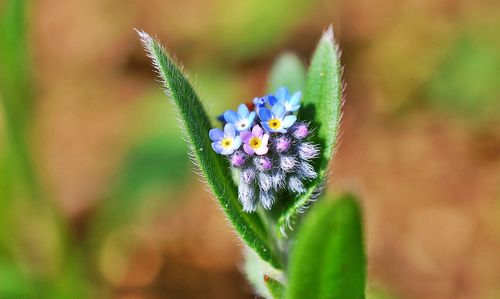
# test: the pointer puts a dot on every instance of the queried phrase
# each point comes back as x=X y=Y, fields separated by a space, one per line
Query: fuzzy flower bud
x=283 y=144
x=301 y=131
x=308 y=151
x=238 y=159
x=287 y=163
x=296 y=185
x=246 y=194
x=265 y=181
x=263 y=163
x=306 y=170
x=248 y=175
x=278 y=179
x=267 y=199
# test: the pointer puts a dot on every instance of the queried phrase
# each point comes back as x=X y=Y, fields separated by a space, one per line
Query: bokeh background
x=97 y=196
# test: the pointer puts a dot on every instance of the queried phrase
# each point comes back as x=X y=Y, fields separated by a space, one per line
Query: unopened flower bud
x=282 y=144
x=263 y=163
x=296 y=185
x=308 y=151
x=248 y=175
x=287 y=163
x=246 y=194
x=301 y=131
x=238 y=159
x=267 y=199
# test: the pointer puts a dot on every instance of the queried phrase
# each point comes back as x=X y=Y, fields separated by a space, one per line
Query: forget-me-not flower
x=276 y=120
x=255 y=141
x=241 y=120
x=282 y=96
x=267 y=162
x=225 y=142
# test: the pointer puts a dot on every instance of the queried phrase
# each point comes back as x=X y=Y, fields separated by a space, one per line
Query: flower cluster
x=275 y=155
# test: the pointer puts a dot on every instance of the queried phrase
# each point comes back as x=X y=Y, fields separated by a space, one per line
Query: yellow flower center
x=274 y=123
x=226 y=142
x=254 y=142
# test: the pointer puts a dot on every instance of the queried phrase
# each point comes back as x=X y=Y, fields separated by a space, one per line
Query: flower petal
x=294 y=108
x=248 y=149
x=278 y=110
x=262 y=150
x=264 y=114
x=264 y=140
x=288 y=121
x=229 y=131
x=230 y=116
x=266 y=127
x=271 y=99
x=236 y=142
x=282 y=94
x=246 y=136
x=216 y=134
x=295 y=99
x=251 y=117
x=257 y=131
x=227 y=151
x=243 y=111
x=217 y=147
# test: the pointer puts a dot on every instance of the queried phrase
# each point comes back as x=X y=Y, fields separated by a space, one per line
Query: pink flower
x=255 y=141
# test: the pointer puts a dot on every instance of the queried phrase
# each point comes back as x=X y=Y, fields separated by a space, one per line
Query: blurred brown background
x=420 y=139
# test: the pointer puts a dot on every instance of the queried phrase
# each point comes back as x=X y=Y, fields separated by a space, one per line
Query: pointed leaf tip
x=328 y=34
x=145 y=38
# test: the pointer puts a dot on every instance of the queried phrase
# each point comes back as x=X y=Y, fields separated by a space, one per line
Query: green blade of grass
x=214 y=168
x=328 y=258
x=321 y=105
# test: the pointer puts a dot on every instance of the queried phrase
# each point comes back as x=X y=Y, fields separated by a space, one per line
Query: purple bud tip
x=264 y=163
x=282 y=144
x=301 y=131
x=238 y=159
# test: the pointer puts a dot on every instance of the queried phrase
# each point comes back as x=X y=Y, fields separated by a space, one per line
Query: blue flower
x=282 y=96
x=276 y=120
x=260 y=102
x=241 y=120
x=225 y=142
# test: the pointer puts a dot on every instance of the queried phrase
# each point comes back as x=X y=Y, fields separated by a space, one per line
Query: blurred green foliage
x=249 y=27
x=467 y=81
x=287 y=71
x=15 y=91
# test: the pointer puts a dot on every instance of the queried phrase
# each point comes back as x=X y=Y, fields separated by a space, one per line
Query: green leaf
x=289 y=72
x=276 y=289
x=321 y=105
x=213 y=167
x=328 y=258
x=15 y=89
